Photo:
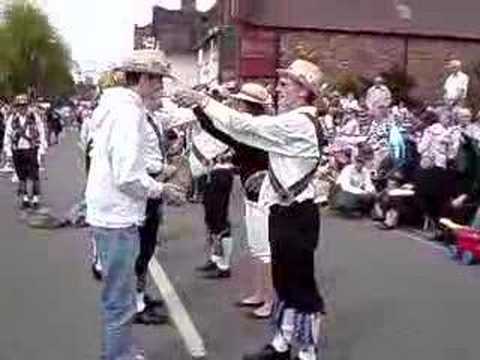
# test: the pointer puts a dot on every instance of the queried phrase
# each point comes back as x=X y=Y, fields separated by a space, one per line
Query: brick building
x=364 y=36
x=176 y=33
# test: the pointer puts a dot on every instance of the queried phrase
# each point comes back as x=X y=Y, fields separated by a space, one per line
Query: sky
x=101 y=31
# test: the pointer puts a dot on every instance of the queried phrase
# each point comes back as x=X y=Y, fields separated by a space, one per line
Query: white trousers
x=256 y=221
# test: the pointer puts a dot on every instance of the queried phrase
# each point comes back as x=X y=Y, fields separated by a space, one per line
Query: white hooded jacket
x=118 y=184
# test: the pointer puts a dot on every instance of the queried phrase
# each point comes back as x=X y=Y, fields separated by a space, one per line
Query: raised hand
x=188 y=98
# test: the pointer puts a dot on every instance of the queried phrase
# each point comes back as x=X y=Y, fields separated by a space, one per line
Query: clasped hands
x=187 y=98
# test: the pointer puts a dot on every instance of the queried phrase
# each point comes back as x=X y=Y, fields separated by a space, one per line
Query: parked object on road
x=467 y=248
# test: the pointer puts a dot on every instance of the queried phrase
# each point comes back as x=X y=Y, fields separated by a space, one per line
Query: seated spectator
x=462 y=207
x=355 y=191
x=434 y=180
x=349 y=103
x=394 y=202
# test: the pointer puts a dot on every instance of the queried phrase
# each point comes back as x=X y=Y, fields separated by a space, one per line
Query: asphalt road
x=389 y=295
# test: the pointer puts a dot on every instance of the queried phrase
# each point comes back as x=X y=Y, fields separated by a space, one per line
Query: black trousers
x=216 y=200
x=148 y=240
x=293 y=235
x=27 y=168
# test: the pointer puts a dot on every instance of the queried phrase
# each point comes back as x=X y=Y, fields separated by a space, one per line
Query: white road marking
x=182 y=320
x=420 y=240
x=414 y=237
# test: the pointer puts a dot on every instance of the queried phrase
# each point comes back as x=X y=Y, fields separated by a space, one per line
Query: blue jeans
x=118 y=250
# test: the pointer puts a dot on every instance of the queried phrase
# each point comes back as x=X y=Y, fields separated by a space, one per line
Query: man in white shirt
x=456 y=86
x=117 y=191
x=356 y=190
x=155 y=155
x=293 y=141
x=25 y=143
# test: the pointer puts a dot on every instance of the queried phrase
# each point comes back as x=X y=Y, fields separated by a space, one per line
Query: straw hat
x=111 y=79
x=21 y=99
x=148 y=62
x=306 y=73
x=254 y=93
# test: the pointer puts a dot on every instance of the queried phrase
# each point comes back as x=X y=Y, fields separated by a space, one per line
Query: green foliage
x=33 y=57
x=349 y=82
x=400 y=84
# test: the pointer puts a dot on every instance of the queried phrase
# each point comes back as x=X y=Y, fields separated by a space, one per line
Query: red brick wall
x=427 y=59
x=367 y=55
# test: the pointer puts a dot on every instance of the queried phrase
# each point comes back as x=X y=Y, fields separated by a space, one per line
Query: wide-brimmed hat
x=21 y=99
x=254 y=93
x=306 y=73
x=148 y=62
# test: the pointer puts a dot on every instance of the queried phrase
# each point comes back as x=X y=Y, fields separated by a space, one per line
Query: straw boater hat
x=147 y=62
x=21 y=99
x=254 y=93
x=306 y=73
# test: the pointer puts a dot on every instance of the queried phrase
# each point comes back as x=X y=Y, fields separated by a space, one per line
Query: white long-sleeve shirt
x=356 y=182
x=209 y=147
x=118 y=184
x=155 y=147
x=456 y=87
x=289 y=138
x=86 y=132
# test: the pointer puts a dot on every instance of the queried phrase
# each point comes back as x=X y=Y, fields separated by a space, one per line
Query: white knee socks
x=227 y=247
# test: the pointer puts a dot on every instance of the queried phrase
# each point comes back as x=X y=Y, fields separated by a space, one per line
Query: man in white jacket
x=117 y=191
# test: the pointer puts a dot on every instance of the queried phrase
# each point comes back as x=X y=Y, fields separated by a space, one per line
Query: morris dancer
x=252 y=163
x=293 y=141
x=25 y=143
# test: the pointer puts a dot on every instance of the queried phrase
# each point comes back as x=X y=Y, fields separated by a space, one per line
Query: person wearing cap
x=378 y=95
x=25 y=143
x=118 y=187
x=293 y=141
x=252 y=164
x=456 y=85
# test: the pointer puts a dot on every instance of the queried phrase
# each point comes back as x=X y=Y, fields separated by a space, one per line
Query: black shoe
x=209 y=266
x=35 y=205
x=25 y=204
x=218 y=274
x=268 y=353
x=385 y=227
x=97 y=274
x=151 y=302
x=150 y=317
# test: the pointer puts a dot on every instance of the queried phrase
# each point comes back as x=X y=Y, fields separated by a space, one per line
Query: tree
x=33 y=56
